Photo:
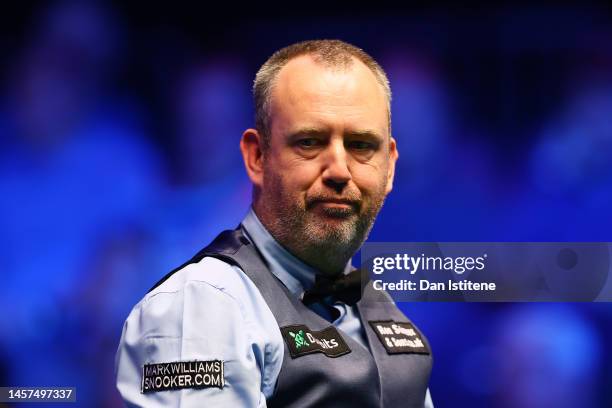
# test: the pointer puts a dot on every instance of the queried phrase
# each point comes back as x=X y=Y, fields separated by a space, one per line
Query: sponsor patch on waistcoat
x=182 y=374
x=399 y=337
x=301 y=341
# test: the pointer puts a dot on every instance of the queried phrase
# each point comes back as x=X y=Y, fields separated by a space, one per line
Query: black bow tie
x=346 y=288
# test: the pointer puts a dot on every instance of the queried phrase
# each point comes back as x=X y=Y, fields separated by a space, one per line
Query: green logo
x=299 y=339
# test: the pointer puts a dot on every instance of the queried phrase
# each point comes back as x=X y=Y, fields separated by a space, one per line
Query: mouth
x=335 y=208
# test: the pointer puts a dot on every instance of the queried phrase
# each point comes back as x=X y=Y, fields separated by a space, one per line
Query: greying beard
x=325 y=246
x=334 y=245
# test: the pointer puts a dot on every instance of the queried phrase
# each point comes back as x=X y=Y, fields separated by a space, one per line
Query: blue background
x=119 y=130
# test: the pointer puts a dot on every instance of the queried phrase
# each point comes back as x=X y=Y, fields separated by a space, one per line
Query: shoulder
x=207 y=274
x=198 y=291
x=206 y=311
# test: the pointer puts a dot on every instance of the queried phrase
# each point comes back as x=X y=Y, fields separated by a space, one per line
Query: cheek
x=371 y=181
x=290 y=180
x=300 y=175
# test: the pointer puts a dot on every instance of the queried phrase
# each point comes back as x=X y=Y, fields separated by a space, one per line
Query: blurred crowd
x=108 y=184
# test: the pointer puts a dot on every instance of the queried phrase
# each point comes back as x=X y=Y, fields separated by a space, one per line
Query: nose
x=336 y=173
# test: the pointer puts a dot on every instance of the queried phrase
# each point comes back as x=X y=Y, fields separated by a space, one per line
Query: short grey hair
x=331 y=53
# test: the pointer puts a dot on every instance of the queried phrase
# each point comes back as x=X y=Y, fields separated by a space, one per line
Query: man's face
x=330 y=161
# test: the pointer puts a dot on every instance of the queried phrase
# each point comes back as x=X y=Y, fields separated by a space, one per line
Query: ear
x=393 y=156
x=251 y=146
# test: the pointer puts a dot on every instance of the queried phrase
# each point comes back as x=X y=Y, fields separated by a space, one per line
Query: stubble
x=324 y=237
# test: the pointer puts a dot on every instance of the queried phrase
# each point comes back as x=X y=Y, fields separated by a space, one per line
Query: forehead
x=311 y=93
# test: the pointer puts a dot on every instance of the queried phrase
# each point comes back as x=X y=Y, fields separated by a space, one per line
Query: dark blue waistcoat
x=323 y=366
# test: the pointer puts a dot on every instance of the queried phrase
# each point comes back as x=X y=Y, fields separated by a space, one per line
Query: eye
x=360 y=145
x=307 y=143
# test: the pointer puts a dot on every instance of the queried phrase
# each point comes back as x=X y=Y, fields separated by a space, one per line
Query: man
x=268 y=314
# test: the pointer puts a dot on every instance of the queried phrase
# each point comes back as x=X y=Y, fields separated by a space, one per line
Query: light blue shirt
x=211 y=310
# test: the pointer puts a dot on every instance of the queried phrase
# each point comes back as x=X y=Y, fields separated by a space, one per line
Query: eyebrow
x=369 y=134
x=315 y=131
x=308 y=131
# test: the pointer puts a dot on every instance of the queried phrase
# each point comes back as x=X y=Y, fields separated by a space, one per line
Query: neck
x=326 y=261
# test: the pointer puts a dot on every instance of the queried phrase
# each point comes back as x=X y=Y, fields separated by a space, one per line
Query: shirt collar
x=291 y=271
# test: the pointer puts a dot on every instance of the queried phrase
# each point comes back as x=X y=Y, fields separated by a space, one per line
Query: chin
x=334 y=236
